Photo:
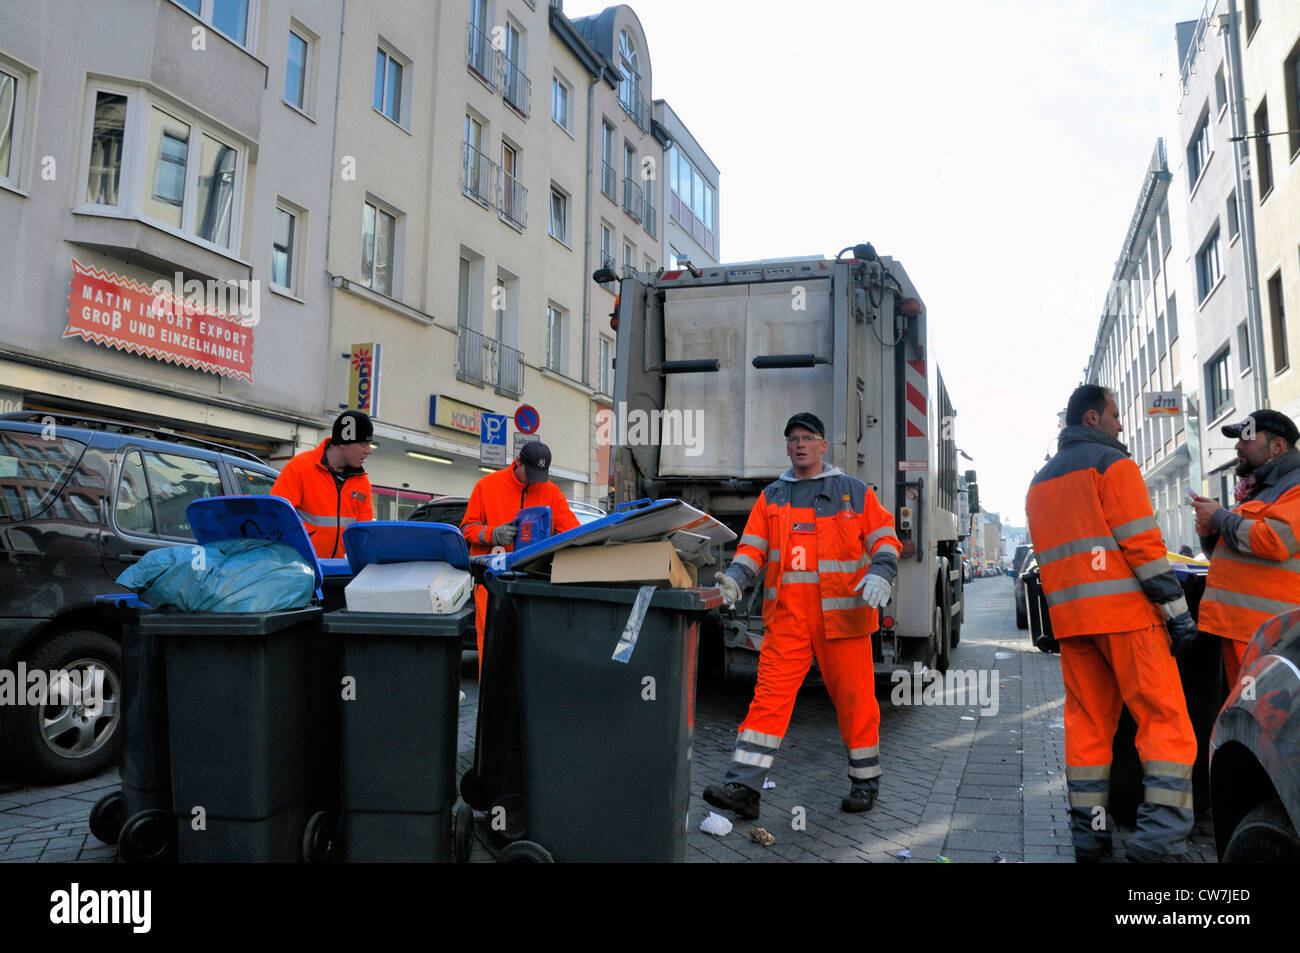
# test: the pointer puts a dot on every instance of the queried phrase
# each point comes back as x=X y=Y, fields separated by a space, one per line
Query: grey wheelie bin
x=400 y=700
x=248 y=701
x=138 y=817
x=607 y=698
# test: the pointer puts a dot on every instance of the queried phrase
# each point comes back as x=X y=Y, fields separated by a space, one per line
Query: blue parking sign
x=492 y=440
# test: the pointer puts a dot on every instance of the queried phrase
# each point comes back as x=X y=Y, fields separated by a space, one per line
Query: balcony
x=608 y=180
x=516 y=87
x=633 y=199
x=482 y=56
x=633 y=102
x=651 y=217
x=481 y=360
x=513 y=203
x=478 y=177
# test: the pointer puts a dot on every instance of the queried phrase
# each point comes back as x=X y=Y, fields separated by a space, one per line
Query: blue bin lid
x=335 y=567
x=404 y=541
x=252 y=517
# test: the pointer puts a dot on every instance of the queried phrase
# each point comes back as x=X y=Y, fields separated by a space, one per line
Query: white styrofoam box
x=425 y=587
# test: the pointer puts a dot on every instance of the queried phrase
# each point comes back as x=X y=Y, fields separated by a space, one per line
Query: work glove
x=730 y=589
x=1182 y=633
x=505 y=534
x=876 y=590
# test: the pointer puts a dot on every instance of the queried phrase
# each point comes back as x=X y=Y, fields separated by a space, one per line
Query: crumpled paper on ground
x=716 y=824
x=760 y=836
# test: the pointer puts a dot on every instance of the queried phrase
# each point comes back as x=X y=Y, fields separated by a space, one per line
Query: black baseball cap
x=352 y=426
x=536 y=458
x=807 y=421
x=1273 y=421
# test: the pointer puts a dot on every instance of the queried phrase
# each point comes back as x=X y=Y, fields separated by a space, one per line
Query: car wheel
x=76 y=735
x=1265 y=835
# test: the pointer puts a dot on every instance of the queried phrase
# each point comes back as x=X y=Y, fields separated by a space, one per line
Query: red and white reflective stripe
x=916 y=397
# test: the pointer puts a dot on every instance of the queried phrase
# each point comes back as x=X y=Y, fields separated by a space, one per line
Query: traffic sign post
x=492 y=440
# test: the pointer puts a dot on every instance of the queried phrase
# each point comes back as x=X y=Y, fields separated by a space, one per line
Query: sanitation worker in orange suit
x=496 y=500
x=828 y=556
x=1254 y=569
x=1120 y=616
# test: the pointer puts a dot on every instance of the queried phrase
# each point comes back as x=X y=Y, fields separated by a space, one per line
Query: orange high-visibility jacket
x=1254 y=555
x=1100 y=553
x=498 y=498
x=326 y=508
x=847 y=542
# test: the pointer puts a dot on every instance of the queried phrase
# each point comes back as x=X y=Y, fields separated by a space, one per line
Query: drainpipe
x=586 y=248
x=329 y=211
x=1245 y=205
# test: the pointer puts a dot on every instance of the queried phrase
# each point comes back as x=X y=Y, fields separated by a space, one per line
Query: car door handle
x=130 y=557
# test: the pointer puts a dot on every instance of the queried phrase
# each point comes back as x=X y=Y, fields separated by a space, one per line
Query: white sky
x=996 y=149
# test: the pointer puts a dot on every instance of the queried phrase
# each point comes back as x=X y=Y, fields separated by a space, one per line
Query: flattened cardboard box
x=646 y=563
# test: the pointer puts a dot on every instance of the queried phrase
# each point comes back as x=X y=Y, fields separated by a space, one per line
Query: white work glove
x=876 y=590
x=730 y=589
x=505 y=534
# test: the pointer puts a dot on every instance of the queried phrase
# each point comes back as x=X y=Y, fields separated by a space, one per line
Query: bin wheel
x=469 y=789
x=526 y=852
x=508 y=810
x=317 y=840
x=148 y=837
x=462 y=833
x=107 y=817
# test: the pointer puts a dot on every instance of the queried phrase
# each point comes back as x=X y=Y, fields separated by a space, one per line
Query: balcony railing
x=633 y=199
x=608 y=180
x=651 y=217
x=513 y=204
x=516 y=87
x=483 y=360
x=633 y=102
x=478 y=177
x=629 y=270
x=482 y=56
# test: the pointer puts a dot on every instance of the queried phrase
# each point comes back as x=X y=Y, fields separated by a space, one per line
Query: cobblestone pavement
x=967 y=782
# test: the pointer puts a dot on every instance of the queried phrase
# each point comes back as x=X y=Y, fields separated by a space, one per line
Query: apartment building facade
x=1268 y=34
x=1144 y=342
x=1224 y=296
x=690 y=190
x=164 y=165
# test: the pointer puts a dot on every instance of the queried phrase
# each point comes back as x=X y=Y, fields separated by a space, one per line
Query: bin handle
x=633 y=505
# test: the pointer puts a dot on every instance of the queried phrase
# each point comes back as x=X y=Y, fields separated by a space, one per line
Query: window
x=378 y=246
x=32 y=470
x=607 y=174
x=389 y=77
x=284 y=249
x=1207 y=265
x=1171 y=313
x=514 y=197
x=558 y=226
x=1243 y=347
x=480 y=54
x=517 y=88
x=629 y=88
x=1218 y=386
x=108 y=138
x=1234 y=227
x=1291 y=83
x=295 y=72
x=649 y=265
x=1220 y=89
x=228 y=16
x=1263 y=155
x=1165 y=234
x=1251 y=13
x=629 y=259
x=674 y=258
x=155 y=489
x=555 y=354
x=252 y=483
x=1199 y=150
x=560 y=97
x=13 y=116
x=1277 y=321
x=175 y=174
x=606 y=365
x=606 y=246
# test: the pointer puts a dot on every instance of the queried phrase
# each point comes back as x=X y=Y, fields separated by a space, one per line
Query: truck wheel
x=1265 y=835
x=961 y=617
x=70 y=740
x=942 y=619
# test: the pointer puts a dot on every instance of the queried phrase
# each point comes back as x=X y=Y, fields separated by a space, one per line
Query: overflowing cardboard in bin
x=653 y=563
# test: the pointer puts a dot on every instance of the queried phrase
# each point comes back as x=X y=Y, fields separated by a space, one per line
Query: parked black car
x=1255 y=751
x=80 y=500
x=1021 y=565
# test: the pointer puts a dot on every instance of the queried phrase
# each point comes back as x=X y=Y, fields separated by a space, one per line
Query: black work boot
x=732 y=796
x=861 y=798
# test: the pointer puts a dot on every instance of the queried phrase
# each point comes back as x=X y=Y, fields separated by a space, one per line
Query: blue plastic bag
x=233 y=575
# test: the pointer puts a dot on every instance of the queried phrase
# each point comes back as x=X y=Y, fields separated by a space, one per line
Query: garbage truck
x=710 y=363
